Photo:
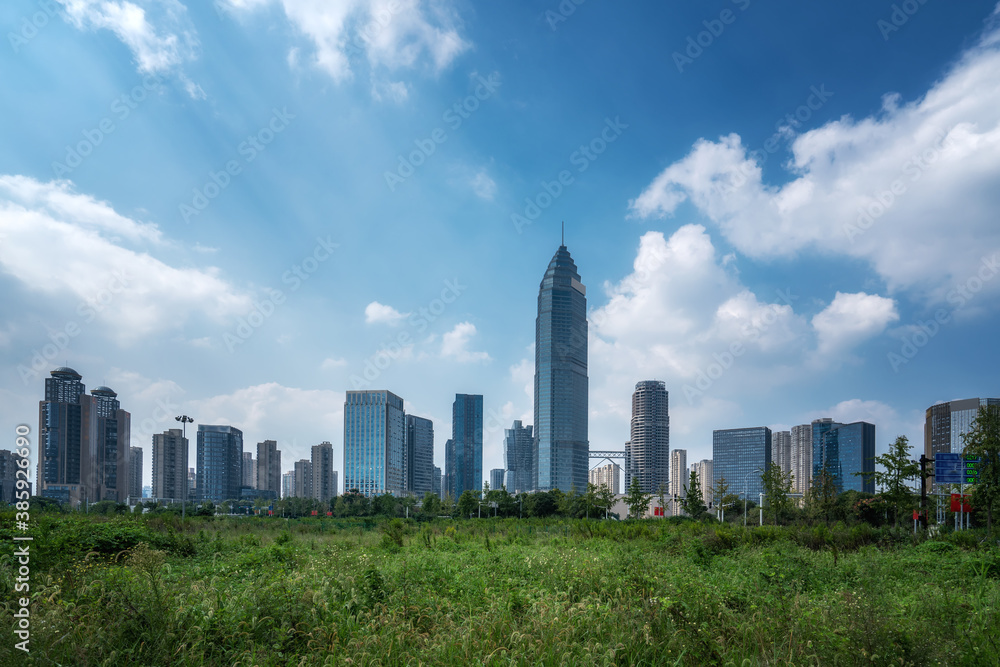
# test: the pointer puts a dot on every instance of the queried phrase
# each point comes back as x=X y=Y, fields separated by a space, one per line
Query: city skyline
x=246 y=245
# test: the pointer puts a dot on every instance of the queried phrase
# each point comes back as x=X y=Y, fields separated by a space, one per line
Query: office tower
x=781 y=450
x=303 y=479
x=704 y=469
x=740 y=455
x=419 y=460
x=135 y=476
x=819 y=428
x=374 y=438
x=268 y=467
x=324 y=477
x=9 y=465
x=679 y=473
x=170 y=465
x=518 y=458
x=65 y=421
x=562 y=450
x=849 y=449
x=801 y=458
x=111 y=445
x=220 y=462
x=497 y=478
x=464 y=456
x=649 y=446
x=288 y=484
x=249 y=472
x=606 y=476
x=946 y=423
x=436 y=480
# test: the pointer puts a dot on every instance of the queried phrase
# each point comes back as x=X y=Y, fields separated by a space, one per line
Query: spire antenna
x=563 y=239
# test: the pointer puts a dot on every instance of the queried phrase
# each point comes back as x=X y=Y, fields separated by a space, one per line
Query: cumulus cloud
x=59 y=242
x=911 y=189
x=455 y=343
x=852 y=318
x=378 y=313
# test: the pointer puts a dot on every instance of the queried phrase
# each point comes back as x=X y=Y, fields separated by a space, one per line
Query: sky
x=240 y=210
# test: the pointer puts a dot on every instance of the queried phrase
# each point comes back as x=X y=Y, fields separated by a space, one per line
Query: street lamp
x=184 y=420
x=746 y=493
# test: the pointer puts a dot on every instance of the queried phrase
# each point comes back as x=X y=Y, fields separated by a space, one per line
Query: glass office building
x=562 y=449
x=518 y=458
x=374 y=441
x=220 y=462
x=819 y=428
x=464 y=453
x=738 y=455
x=849 y=449
x=419 y=462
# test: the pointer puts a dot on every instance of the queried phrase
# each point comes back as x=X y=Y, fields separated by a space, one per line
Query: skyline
x=762 y=295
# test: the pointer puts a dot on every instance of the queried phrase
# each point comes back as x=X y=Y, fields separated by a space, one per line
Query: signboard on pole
x=955 y=468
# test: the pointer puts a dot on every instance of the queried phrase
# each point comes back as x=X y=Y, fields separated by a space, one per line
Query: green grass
x=251 y=591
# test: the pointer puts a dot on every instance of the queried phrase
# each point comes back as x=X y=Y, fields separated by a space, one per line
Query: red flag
x=329 y=513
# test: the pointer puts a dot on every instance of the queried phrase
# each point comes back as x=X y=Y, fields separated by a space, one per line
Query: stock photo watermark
x=562 y=12
x=29 y=26
x=958 y=297
x=22 y=557
x=581 y=158
x=264 y=308
x=453 y=117
x=696 y=44
x=899 y=17
x=394 y=348
x=248 y=149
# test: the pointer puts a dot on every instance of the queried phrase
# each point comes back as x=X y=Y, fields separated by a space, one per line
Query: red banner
x=961 y=503
x=329 y=513
x=657 y=511
x=314 y=512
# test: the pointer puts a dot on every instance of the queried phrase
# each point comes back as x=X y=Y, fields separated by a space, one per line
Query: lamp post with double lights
x=184 y=420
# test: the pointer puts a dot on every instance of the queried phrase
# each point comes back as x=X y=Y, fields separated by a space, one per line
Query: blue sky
x=241 y=210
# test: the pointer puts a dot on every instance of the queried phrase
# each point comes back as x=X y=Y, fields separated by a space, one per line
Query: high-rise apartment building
x=303 y=479
x=268 y=467
x=781 y=450
x=374 y=442
x=220 y=462
x=135 y=476
x=705 y=471
x=192 y=483
x=562 y=449
x=497 y=478
x=437 y=489
x=518 y=458
x=606 y=476
x=419 y=460
x=10 y=464
x=249 y=471
x=112 y=447
x=679 y=473
x=464 y=456
x=801 y=456
x=740 y=455
x=648 y=449
x=170 y=465
x=324 y=477
x=288 y=484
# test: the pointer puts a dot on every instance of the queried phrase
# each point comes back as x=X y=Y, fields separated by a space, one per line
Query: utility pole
x=924 y=474
x=184 y=420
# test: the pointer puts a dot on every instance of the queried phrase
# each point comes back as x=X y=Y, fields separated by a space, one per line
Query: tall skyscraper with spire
x=562 y=449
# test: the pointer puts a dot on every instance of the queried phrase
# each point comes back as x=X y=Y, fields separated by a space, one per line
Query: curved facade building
x=562 y=448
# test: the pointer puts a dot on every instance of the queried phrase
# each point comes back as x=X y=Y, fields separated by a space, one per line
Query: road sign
x=955 y=469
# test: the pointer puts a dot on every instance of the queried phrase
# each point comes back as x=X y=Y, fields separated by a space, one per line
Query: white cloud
x=941 y=153
x=377 y=313
x=391 y=34
x=393 y=91
x=330 y=363
x=851 y=319
x=158 y=48
x=455 y=344
x=484 y=186
x=58 y=242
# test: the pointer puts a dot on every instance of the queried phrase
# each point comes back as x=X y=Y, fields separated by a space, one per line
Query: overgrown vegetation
x=155 y=590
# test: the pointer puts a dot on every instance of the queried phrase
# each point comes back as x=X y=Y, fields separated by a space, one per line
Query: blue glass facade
x=419 y=460
x=220 y=462
x=465 y=463
x=374 y=443
x=562 y=449
x=850 y=449
x=820 y=427
x=518 y=458
x=737 y=455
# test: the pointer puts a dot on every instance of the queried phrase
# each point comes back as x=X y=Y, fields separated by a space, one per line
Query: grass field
x=252 y=591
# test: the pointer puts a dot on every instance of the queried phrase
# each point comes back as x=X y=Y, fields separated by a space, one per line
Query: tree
x=983 y=440
x=661 y=495
x=692 y=503
x=895 y=478
x=605 y=499
x=467 y=504
x=821 y=501
x=431 y=505
x=724 y=499
x=637 y=501
x=777 y=486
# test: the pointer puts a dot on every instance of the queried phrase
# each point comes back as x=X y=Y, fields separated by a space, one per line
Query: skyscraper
x=518 y=457
x=135 y=476
x=303 y=479
x=268 y=467
x=705 y=469
x=324 y=477
x=849 y=449
x=819 y=428
x=249 y=472
x=288 y=484
x=10 y=465
x=464 y=457
x=419 y=460
x=801 y=455
x=781 y=450
x=111 y=445
x=946 y=423
x=679 y=474
x=740 y=455
x=649 y=445
x=220 y=462
x=496 y=478
x=437 y=483
x=170 y=465
x=562 y=449
x=374 y=438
